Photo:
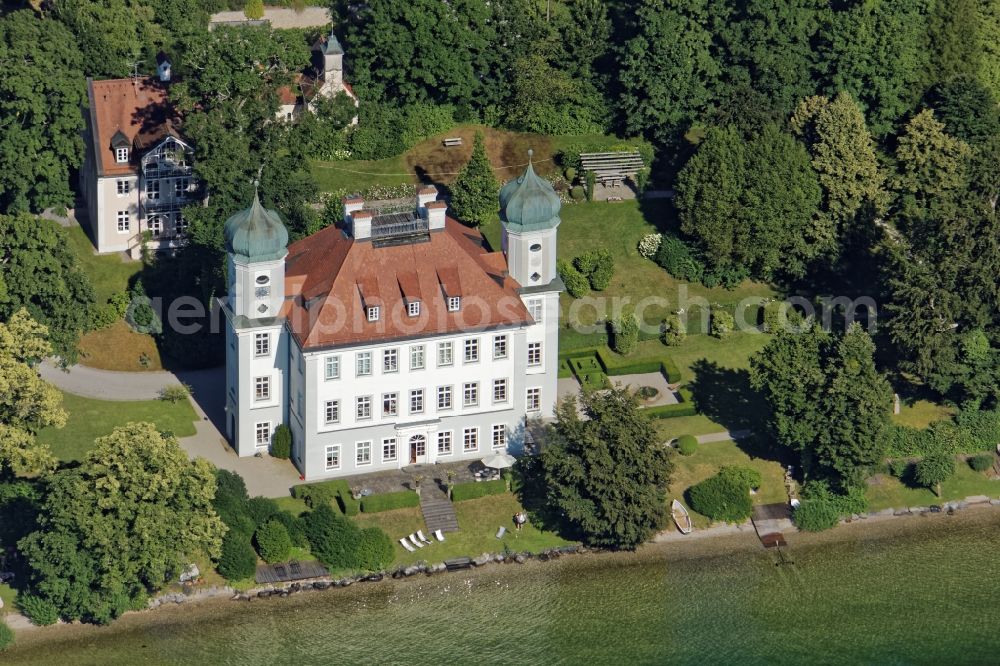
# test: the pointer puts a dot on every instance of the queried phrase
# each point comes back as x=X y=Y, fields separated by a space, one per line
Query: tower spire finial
x=531 y=153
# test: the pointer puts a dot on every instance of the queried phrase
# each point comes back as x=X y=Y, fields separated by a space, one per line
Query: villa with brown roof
x=137 y=174
x=397 y=337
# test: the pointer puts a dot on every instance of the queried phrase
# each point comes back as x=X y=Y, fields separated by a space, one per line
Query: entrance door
x=418 y=449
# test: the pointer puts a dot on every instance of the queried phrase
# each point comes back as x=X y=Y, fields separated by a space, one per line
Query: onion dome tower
x=529 y=211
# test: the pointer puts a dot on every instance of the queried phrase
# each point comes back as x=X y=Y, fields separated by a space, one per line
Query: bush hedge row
x=389 y=501
x=325 y=492
x=969 y=432
x=474 y=489
x=685 y=407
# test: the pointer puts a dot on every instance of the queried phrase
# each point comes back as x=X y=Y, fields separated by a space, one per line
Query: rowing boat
x=681 y=517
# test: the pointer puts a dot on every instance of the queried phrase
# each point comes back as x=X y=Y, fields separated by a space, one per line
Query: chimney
x=425 y=195
x=435 y=214
x=361 y=224
x=352 y=204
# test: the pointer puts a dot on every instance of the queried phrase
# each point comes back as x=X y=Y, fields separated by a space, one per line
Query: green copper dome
x=529 y=203
x=256 y=234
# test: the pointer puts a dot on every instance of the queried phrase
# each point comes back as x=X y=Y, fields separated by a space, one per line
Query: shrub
x=273 y=542
x=722 y=323
x=254 y=9
x=230 y=502
x=816 y=515
x=314 y=494
x=722 y=497
x=687 y=444
x=576 y=193
x=6 y=636
x=238 y=560
x=625 y=330
x=576 y=283
x=747 y=476
x=332 y=538
x=604 y=270
x=472 y=490
x=982 y=462
x=39 y=610
x=677 y=258
x=345 y=500
x=389 y=501
x=281 y=445
x=649 y=245
x=295 y=527
x=591 y=179
x=174 y=393
x=586 y=263
x=570 y=174
x=375 y=551
x=674 y=330
x=898 y=467
x=260 y=509
x=935 y=468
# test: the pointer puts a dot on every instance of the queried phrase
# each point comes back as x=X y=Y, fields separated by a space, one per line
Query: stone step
x=437 y=509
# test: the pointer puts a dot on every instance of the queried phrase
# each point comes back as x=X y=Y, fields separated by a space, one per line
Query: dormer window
x=413 y=308
x=454 y=303
x=373 y=313
x=121 y=155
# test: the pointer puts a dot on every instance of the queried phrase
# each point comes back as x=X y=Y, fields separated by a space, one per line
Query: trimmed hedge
x=687 y=444
x=389 y=501
x=474 y=489
x=613 y=367
x=281 y=445
x=324 y=492
x=684 y=408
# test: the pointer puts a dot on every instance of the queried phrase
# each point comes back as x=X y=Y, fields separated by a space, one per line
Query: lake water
x=919 y=590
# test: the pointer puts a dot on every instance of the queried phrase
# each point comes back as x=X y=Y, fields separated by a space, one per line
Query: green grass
x=109 y=274
x=292 y=505
x=886 y=492
x=8 y=594
x=922 y=413
x=706 y=462
x=478 y=520
x=90 y=419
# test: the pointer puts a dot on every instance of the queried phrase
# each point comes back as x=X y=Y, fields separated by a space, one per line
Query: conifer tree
x=474 y=192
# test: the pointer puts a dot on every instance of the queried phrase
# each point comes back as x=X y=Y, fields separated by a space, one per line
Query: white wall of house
x=108 y=203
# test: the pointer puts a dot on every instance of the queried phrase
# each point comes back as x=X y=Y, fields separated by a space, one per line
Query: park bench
x=454 y=141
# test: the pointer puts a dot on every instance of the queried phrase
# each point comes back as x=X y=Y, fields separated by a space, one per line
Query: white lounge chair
x=423 y=538
x=416 y=542
x=501 y=532
x=406 y=544
x=439 y=535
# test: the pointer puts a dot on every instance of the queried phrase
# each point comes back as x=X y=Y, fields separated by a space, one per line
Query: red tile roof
x=328 y=274
x=138 y=109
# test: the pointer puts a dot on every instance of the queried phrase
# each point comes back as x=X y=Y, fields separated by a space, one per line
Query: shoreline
x=713 y=542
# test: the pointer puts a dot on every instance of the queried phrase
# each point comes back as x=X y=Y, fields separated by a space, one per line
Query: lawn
x=118 y=347
x=708 y=459
x=922 y=413
x=90 y=419
x=886 y=492
x=109 y=273
x=7 y=594
x=478 y=520
x=431 y=161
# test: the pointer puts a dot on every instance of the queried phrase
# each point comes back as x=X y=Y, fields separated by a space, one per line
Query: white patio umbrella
x=498 y=461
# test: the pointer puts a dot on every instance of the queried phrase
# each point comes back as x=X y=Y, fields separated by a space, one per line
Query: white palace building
x=396 y=337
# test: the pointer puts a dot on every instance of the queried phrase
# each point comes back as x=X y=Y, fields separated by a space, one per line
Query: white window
x=390 y=360
x=181 y=223
x=413 y=308
x=180 y=187
x=499 y=346
x=535 y=308
x=261 y=344
x=446 y=353
x=262 y=388
x=444 y=443
x=123 y=186
x=444 y=397
x=331 y=411
x=121 y=155
x=363 y=407
x=499 y=436
x=152 y=189
x=417 y=357
x=533 y=403
x=331 y=367
x=363 y=452
x=124 y=221
x=373 y=313
x=388 y=449
x=363 y=364
x=417 y=401
x=155 y=225
x=499 y=390
x=471 y=350
x=454 y=303
x=470 y=439
x=333 y=456
x=263 y=432
x=390 y=404
x=470 y=394
x=534 y=353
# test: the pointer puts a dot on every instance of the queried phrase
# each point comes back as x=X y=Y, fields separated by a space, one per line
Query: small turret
x=529 y=210
x=256 y=242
